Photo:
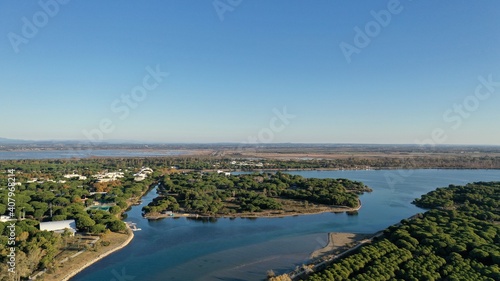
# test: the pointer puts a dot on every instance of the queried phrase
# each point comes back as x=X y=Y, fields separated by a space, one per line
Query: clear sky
x=344 y=71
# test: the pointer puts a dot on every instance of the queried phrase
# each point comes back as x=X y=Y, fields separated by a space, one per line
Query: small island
x=212 y=194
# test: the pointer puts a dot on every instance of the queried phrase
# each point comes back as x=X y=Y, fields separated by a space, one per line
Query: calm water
x=244 y=249
x=85 y=153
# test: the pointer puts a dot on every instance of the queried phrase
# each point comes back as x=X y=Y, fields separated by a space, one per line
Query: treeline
x=384 y=162
x=457 y=240
x=212 y=193
x=355 y=162
x=480 y=200
x=86 y=166
x=196 y=162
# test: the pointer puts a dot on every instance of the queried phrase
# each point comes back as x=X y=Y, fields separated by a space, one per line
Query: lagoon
x=244 y=249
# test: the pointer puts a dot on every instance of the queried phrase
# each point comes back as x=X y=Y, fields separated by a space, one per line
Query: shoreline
x=337 y=241
x=122 y=245
x=101 y=256
x=269 y=214
x=130 y=237
x=339 y=244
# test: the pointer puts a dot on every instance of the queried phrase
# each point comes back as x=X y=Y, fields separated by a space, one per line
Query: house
x=142 y=174
x=222 y=172
x=80 y=177
x=108 y=176
x=59 y=226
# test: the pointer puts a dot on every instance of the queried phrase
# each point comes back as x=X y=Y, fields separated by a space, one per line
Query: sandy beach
x=338 y=241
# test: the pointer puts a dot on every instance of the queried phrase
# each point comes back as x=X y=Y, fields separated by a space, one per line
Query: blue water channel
x=245 y=249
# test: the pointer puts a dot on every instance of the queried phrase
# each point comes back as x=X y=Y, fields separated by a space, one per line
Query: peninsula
x=277 y=194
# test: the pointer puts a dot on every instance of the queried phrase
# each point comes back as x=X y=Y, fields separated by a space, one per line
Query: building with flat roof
x=59 y=226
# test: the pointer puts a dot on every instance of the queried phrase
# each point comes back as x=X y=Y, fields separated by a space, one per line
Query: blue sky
x=231 y=69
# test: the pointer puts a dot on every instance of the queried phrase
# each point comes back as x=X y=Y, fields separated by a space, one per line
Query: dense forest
x=220 y=194
x=458 y=239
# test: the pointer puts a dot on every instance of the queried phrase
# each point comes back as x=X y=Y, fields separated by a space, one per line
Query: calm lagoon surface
x=244 y=249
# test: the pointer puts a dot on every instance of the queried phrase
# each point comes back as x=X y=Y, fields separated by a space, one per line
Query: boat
x=133 y=226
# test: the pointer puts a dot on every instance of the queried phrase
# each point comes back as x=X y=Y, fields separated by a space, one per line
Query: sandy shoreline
x=336 y=240
x=265 y=214
x=110 y=251
x=101 y=256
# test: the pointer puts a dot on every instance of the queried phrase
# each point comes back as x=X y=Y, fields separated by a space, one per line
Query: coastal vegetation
x=461 y=223
x=282 y=157
x=457 y=239
x=71 y=189
x=42 y=194
x=213 y=194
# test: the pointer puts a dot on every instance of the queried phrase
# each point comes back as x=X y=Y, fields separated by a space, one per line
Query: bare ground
x=338 y=242
x=68 y=269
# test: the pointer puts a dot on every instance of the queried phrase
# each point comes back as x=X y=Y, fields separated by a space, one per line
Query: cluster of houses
x=70 y=225
x=67 y=176
x=37 y=180
x=108 y=176
x=101 y=177
x=61 y=226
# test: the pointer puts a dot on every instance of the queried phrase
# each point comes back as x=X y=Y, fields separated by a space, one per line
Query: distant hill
x=12 y=141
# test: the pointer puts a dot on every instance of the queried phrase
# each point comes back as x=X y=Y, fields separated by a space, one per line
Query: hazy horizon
x=143 y=142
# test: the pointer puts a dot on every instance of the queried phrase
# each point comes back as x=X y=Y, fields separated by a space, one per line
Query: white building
x=59 y=226
x=107 y=177
x=143 y=174
x=80 y=177
x=222 y=172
